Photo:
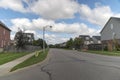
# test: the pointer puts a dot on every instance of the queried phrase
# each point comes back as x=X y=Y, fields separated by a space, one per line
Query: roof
x=97 y=37
x=91 y=39
x=109 y=21
x=4 y=26
x=84 y=36
x=28 y=33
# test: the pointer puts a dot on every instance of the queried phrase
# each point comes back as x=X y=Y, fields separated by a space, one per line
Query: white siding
x=111 y=30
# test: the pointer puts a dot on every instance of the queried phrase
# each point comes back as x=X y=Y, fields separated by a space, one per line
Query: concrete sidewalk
x=5 y=68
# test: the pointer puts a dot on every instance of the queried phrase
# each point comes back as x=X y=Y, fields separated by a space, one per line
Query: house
x=96 y=39
x=96 y=45
x=4 y=36
x=110 y=32
x=28 y=38
x=86 y=41
x=62 y=45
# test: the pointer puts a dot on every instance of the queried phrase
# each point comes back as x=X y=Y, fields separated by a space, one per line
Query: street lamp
x=44 y=37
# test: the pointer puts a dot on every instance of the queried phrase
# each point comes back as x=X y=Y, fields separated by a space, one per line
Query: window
x=99 y=41
x=87 y=42
x=111 y=26
x=91 y=41
x=113 y=35
x=4 y=32
x=2 y=43
x=29 y=36
x=87 y=38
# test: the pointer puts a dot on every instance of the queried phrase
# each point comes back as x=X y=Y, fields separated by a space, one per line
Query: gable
x=4 y=26
x=111 y=29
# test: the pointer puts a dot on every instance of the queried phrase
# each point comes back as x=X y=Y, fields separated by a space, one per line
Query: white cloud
x=62 y=9
x=98 y=15
x=26 y=24
x=75 y=28
x=34 y=25
x=54 y=9
x=49 y=9
x=53 y=39
x=16 y=5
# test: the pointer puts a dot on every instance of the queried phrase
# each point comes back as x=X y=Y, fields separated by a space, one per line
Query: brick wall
x=109 y=44
x=4 y=37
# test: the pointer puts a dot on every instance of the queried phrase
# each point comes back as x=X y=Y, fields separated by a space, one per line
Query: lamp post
x=44 y=37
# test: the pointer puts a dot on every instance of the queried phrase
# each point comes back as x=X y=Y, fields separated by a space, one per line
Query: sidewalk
x=5 y=68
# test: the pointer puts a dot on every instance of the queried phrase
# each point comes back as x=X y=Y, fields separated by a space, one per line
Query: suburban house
x=96 y=45
x=63 y=44
x=4 y=36
x=25 y=38
x=96 y=39
x=111 y=32
x=86 y=41
x=28 y=38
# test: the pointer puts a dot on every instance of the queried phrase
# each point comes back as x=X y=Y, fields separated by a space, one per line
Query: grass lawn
x=31 y=61
x=112 y=53
x=6 y=57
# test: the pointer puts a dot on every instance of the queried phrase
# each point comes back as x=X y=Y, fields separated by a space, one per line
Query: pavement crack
x=46 y=71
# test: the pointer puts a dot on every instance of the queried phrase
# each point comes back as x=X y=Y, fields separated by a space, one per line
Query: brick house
x=4 y=35
x=110 y=32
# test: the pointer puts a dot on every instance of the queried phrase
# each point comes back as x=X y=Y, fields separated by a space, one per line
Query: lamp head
x=50 y=26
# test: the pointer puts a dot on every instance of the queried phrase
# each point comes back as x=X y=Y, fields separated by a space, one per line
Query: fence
x=28 y=48
x=95 y=47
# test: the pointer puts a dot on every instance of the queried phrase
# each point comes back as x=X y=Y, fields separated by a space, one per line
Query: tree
x=69 y=43
x=78 y=43
x=19 y=38
x=39 y=42
x=116 y=45
x=52 y=46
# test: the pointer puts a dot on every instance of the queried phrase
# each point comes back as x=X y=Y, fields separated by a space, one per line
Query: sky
x=68 y=18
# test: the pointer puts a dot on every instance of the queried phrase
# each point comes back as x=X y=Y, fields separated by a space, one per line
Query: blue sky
x=69 y=18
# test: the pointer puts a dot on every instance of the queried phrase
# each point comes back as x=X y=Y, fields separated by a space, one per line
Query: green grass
x=7 y=56
x=31 y=61
x=110 y=53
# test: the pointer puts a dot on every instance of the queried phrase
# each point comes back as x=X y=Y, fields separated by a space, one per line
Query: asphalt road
x=71 y=65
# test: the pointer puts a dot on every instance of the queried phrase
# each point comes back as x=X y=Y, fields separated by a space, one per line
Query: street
x=71 y=65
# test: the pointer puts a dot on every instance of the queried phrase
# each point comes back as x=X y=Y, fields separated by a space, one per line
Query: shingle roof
x=3 y=25
x=97 y=37
x=84 y=37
